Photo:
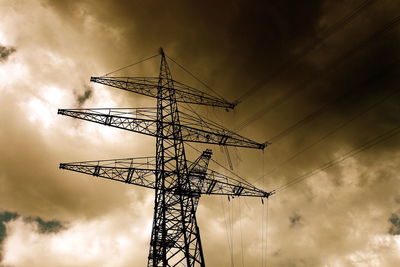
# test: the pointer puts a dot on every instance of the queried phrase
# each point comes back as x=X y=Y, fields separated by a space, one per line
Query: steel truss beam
x=141 y=172
x=149 y=86
x=144 y=121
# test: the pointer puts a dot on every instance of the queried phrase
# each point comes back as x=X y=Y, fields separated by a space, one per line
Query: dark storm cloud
x=295 y=220
x=87 y=93
x=395 y=224
x=355 y=80
x=242 y=42
x=46 y=227
x=233 y=46
x=5 y=52
x=5 y=217
x=248 y=36
x=43 y=226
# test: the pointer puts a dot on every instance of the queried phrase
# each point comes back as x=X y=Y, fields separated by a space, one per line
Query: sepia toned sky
x=318 y=79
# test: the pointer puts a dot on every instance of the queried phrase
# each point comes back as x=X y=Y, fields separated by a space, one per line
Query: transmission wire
x=379 y=139
x=216 y=162
x=340 y=126
x=130 y=65
x=262 y=215
x=230 y=212
x=320 y=110
x=326 y=70
x=241 y=231
x=229 y=237
x=189 y=108
x=307 y=49
x=266 y=234
x=197 y=79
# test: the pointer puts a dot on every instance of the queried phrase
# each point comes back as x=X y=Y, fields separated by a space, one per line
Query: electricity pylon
x=178 y=183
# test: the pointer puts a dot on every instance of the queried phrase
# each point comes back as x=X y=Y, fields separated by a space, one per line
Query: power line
x=379 y=139
x=262 y=217
x=220 y=165
x=266 y=235
x=340 y=126
x=307 y=49
x=229 y=237
x=321 y=109
x=327 y=70
x=130 y=65
x=262 y=235
x=230 y=210
x=197 y=79
x=241 y=232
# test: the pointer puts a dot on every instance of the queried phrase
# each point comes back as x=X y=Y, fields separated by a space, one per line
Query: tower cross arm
x=148 y=86
x=141 y=172
x=214 y=183
x=141 y=120
x=144 y=121
x=137 y=171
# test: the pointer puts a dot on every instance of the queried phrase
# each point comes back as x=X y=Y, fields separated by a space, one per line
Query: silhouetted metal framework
x=178 y=182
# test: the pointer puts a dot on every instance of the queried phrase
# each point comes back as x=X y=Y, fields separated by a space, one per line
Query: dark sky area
x=318 y=79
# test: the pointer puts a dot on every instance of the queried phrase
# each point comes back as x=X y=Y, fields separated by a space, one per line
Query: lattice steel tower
x=178 y=183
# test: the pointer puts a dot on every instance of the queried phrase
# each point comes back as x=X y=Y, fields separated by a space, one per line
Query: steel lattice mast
x=178 y=183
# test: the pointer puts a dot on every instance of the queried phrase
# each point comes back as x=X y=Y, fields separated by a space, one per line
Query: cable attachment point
x=161 y=51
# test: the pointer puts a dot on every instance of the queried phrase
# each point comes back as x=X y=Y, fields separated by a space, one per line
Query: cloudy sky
x=319 y=79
